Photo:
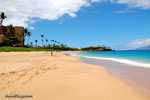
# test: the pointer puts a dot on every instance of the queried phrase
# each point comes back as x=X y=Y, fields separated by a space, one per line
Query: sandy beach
x=58 y=77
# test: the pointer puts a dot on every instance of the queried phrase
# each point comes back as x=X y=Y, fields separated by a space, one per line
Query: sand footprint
x=30 y=79
x=2 y=88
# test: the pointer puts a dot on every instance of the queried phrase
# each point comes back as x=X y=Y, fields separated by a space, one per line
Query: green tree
x=29 y=35
x=62 y=45
x=42 y=36
x=48 y=46
x=2 y=17
x=36 y=42
x=55 y=42
x=31 y=44
x=25 y=33
x=46 y=41
x=58 y=43
x=52 y=43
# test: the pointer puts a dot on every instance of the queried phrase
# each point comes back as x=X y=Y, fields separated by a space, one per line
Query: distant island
x=144 y=48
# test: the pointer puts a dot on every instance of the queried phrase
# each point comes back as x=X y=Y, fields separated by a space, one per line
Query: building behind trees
x=15 y=32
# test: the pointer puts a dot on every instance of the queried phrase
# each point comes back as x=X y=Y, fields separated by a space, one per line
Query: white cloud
x=72 y=14
x=61 y=21
x=136 y=3
x=112 y=1
x=123 y=11
x=144 y=4
x=22 y=12
x=95 y=0
x=32 y=28
x=139 y=43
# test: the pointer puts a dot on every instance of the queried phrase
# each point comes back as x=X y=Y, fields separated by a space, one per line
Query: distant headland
x=97 y=48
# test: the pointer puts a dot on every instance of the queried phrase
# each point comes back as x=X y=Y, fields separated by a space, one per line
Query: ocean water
x=132 y=57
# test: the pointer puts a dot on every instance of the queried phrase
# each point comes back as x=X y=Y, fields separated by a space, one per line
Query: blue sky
x=97 y=25
x=118 y=25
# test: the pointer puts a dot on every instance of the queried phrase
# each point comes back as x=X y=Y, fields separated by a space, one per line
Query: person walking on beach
x=51 y=53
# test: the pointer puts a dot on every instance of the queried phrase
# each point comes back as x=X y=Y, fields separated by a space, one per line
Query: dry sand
x=58 y=77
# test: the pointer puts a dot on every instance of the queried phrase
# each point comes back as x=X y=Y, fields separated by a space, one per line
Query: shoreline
x=59 y=77
x=135 y=76
x=120 y=60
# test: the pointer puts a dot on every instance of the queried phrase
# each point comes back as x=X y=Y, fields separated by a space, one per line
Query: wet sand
x=138 y=77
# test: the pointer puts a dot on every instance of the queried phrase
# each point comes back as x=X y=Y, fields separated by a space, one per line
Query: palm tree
x=28 y=34
x=52 y=42
x=36 y=42
x=42 y=36
x=54 y=45
x=58 y=43
x=25 y=33
x=10 y=28
x=31 y=44
x=55 y=41
x=62 y=45
x=65 y=45
x=2 y=17
x=46 y=41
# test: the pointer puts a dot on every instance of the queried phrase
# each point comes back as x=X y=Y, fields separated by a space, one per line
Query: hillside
x=144 y=48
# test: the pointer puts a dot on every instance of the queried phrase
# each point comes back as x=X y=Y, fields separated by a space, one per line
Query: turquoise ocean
x=132 y=57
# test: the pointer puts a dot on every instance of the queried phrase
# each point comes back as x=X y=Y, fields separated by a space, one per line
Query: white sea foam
x=125 y=61
x=72 y=54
